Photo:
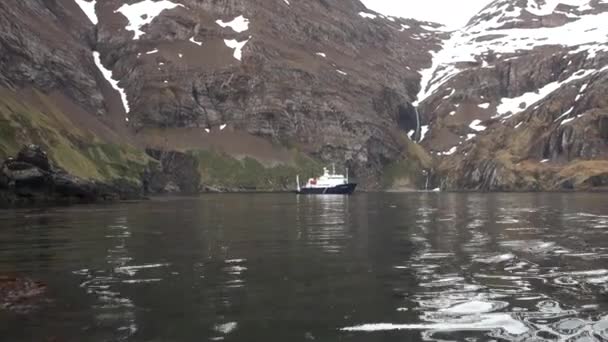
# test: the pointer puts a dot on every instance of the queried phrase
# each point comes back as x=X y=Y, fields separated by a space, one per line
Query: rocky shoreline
x=30 y=179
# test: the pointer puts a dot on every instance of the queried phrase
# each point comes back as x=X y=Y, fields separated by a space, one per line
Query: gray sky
x=452 y=13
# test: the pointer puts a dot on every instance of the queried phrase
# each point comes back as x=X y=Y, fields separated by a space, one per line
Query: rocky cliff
x=246 y=94
x=517 y=99
x=272 y=80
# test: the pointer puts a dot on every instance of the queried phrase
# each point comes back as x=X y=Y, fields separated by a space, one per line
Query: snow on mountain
x=88 y=7
x=107 y=74
x=143 y=13
x=522 y=85
x=494 y=33
x=511 y=106
x=238 y=24
x=237 y=46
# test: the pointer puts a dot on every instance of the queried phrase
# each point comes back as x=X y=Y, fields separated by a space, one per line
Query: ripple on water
x=496 y=259
x=487 y=322
x=226 y=328
x=132 y=270
x=476 y=306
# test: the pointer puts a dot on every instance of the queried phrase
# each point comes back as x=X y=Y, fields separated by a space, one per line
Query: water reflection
x=435 y=267
x=492 y=270
x=323 y=221
x=114 y=309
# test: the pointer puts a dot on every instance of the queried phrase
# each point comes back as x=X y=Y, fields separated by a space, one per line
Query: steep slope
x=329 y=78
x=52 y=94
x=516 y=99
x=285 y=83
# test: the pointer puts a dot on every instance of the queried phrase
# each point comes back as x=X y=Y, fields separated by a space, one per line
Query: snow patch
x=484 y=105
x=152 y=52
x=341 y=72
x=368 y=15
x=423 y=131
x=237 y=46
x=321 y=54
x=107 y=74
x=587 y=33
x=450 y=151
x=192 y=40
x=238 y=24
x=89 y=10
x=524 y=101
x=475 y=125
x=143 y=13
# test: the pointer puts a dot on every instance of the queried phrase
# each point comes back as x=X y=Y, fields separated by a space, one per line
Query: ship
x=327 y=184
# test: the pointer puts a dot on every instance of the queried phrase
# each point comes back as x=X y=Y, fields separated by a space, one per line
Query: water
x=372 y=267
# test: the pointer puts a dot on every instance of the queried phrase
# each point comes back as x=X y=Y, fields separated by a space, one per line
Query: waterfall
x=417 y=133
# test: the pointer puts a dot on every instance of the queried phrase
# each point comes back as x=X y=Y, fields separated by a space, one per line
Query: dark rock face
x=313 y=75
x=35 y=156
x=30 y=179
x=46 y=45
x=329 y=79
x=527 y=119
x=176 y=173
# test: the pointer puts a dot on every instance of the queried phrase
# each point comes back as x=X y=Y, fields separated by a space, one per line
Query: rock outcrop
x=516 y=100
x=176 y=172
x=29 y=178
x=513 y=101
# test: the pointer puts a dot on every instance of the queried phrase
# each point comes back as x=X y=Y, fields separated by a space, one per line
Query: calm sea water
x=371 y=267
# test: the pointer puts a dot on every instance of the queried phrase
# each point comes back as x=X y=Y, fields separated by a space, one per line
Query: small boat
x=327 y=184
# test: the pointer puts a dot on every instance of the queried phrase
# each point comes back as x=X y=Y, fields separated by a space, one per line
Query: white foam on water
x=474 y=307
x=485 y=322
x=226 y=328
x=141 y=281
x=235 y=261
x=132 y=270
x=496 y=259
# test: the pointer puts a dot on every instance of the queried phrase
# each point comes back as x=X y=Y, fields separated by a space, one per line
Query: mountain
x=516 y=100
x=190 y=95
x=283 y=87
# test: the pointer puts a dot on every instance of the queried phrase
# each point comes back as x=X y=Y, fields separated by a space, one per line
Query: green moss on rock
x=218 y=169
x=79 y=152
